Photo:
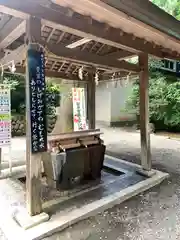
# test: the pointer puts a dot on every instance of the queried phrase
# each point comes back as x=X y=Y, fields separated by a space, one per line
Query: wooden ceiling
x=142 y=19
x=62 y=26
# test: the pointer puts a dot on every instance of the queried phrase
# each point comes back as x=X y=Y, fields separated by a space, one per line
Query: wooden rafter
x=12 y=30
x=100 y=49
x=61 y=66
x=53 y=65
x=78 y=63
x=93 y=46
x=80 y=27
x=60 y=37
x=119 y=75
x=84 y=46
x=5 y=18
x=77 y=58
x=76 y=68
x=89 y=58
x=50 y=35
x=146 y=12
x=120 y=54
x=68 y=68
x=17 y=56
x=53 y=74
x=142 y=19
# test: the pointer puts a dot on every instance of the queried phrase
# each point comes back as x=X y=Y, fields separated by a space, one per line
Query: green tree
x=164 y=90
x=164 y=101
x=18 y=95
x=170 y=6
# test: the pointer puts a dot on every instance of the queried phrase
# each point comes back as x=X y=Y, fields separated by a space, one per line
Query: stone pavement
x=152 y=215
x=16 y=152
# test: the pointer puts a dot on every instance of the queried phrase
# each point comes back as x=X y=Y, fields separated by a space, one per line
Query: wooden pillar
x=33 y=161
x=91 y=101
x=144 y=113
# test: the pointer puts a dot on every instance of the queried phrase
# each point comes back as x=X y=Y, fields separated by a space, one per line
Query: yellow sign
x=4 y=117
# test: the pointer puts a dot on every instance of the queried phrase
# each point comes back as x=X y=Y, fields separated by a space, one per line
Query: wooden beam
x=60 y=37
x=144 y=113
x=33 y=161
x=119 y=55
x=53 y=65
x=52 y=74
x=91 y=101
x=62 y=65
x=50 y=35
x=148 y=13
x=68 y=68
x=90 y=58
x=119 y=75
x=4 y=19
x=77 y=63
x=78 y=43
x=17 y=56
x=12 y=30
x=33 y=34
x=80 y=26
x=74 y=55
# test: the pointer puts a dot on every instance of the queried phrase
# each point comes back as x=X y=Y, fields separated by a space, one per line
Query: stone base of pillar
x=145 y=172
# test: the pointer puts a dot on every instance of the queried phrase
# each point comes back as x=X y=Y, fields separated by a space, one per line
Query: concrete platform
x=120 y=181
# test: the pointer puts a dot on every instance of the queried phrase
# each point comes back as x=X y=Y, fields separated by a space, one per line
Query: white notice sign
x=5 y=115
x=79 y=109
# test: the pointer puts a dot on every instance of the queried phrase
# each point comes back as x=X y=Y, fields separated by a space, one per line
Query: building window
x=169 y=65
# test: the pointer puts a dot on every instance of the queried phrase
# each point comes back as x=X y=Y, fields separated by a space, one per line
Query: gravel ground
x=149 y=216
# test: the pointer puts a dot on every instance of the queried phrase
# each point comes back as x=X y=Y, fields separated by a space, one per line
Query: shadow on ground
x=152 y=215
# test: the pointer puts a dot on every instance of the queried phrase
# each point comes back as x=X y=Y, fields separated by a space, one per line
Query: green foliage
x=18 y=95
x=52 y=97
x=17 y=83
x=164 y=91
x=170 y=6
x=177 y=10
x=164 y=100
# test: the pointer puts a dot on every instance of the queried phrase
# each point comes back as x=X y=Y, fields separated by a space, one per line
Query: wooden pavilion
x=93 y=34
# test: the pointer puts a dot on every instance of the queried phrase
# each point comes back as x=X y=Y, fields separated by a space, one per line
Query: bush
x=18 y=103
x=164 y=101
x=18 y=94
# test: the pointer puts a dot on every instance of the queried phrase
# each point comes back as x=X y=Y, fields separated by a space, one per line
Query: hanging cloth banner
x=5 y=115
x=79 y=109
x=37 y=98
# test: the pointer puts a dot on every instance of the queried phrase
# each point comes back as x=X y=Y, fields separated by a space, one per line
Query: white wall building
x=110 y=104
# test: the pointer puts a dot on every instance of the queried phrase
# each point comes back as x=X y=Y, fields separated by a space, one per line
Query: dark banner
x=37 y=88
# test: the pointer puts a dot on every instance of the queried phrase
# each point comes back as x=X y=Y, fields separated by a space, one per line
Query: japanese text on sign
x=5 y=115
x=79 y=109
x=37 y=101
